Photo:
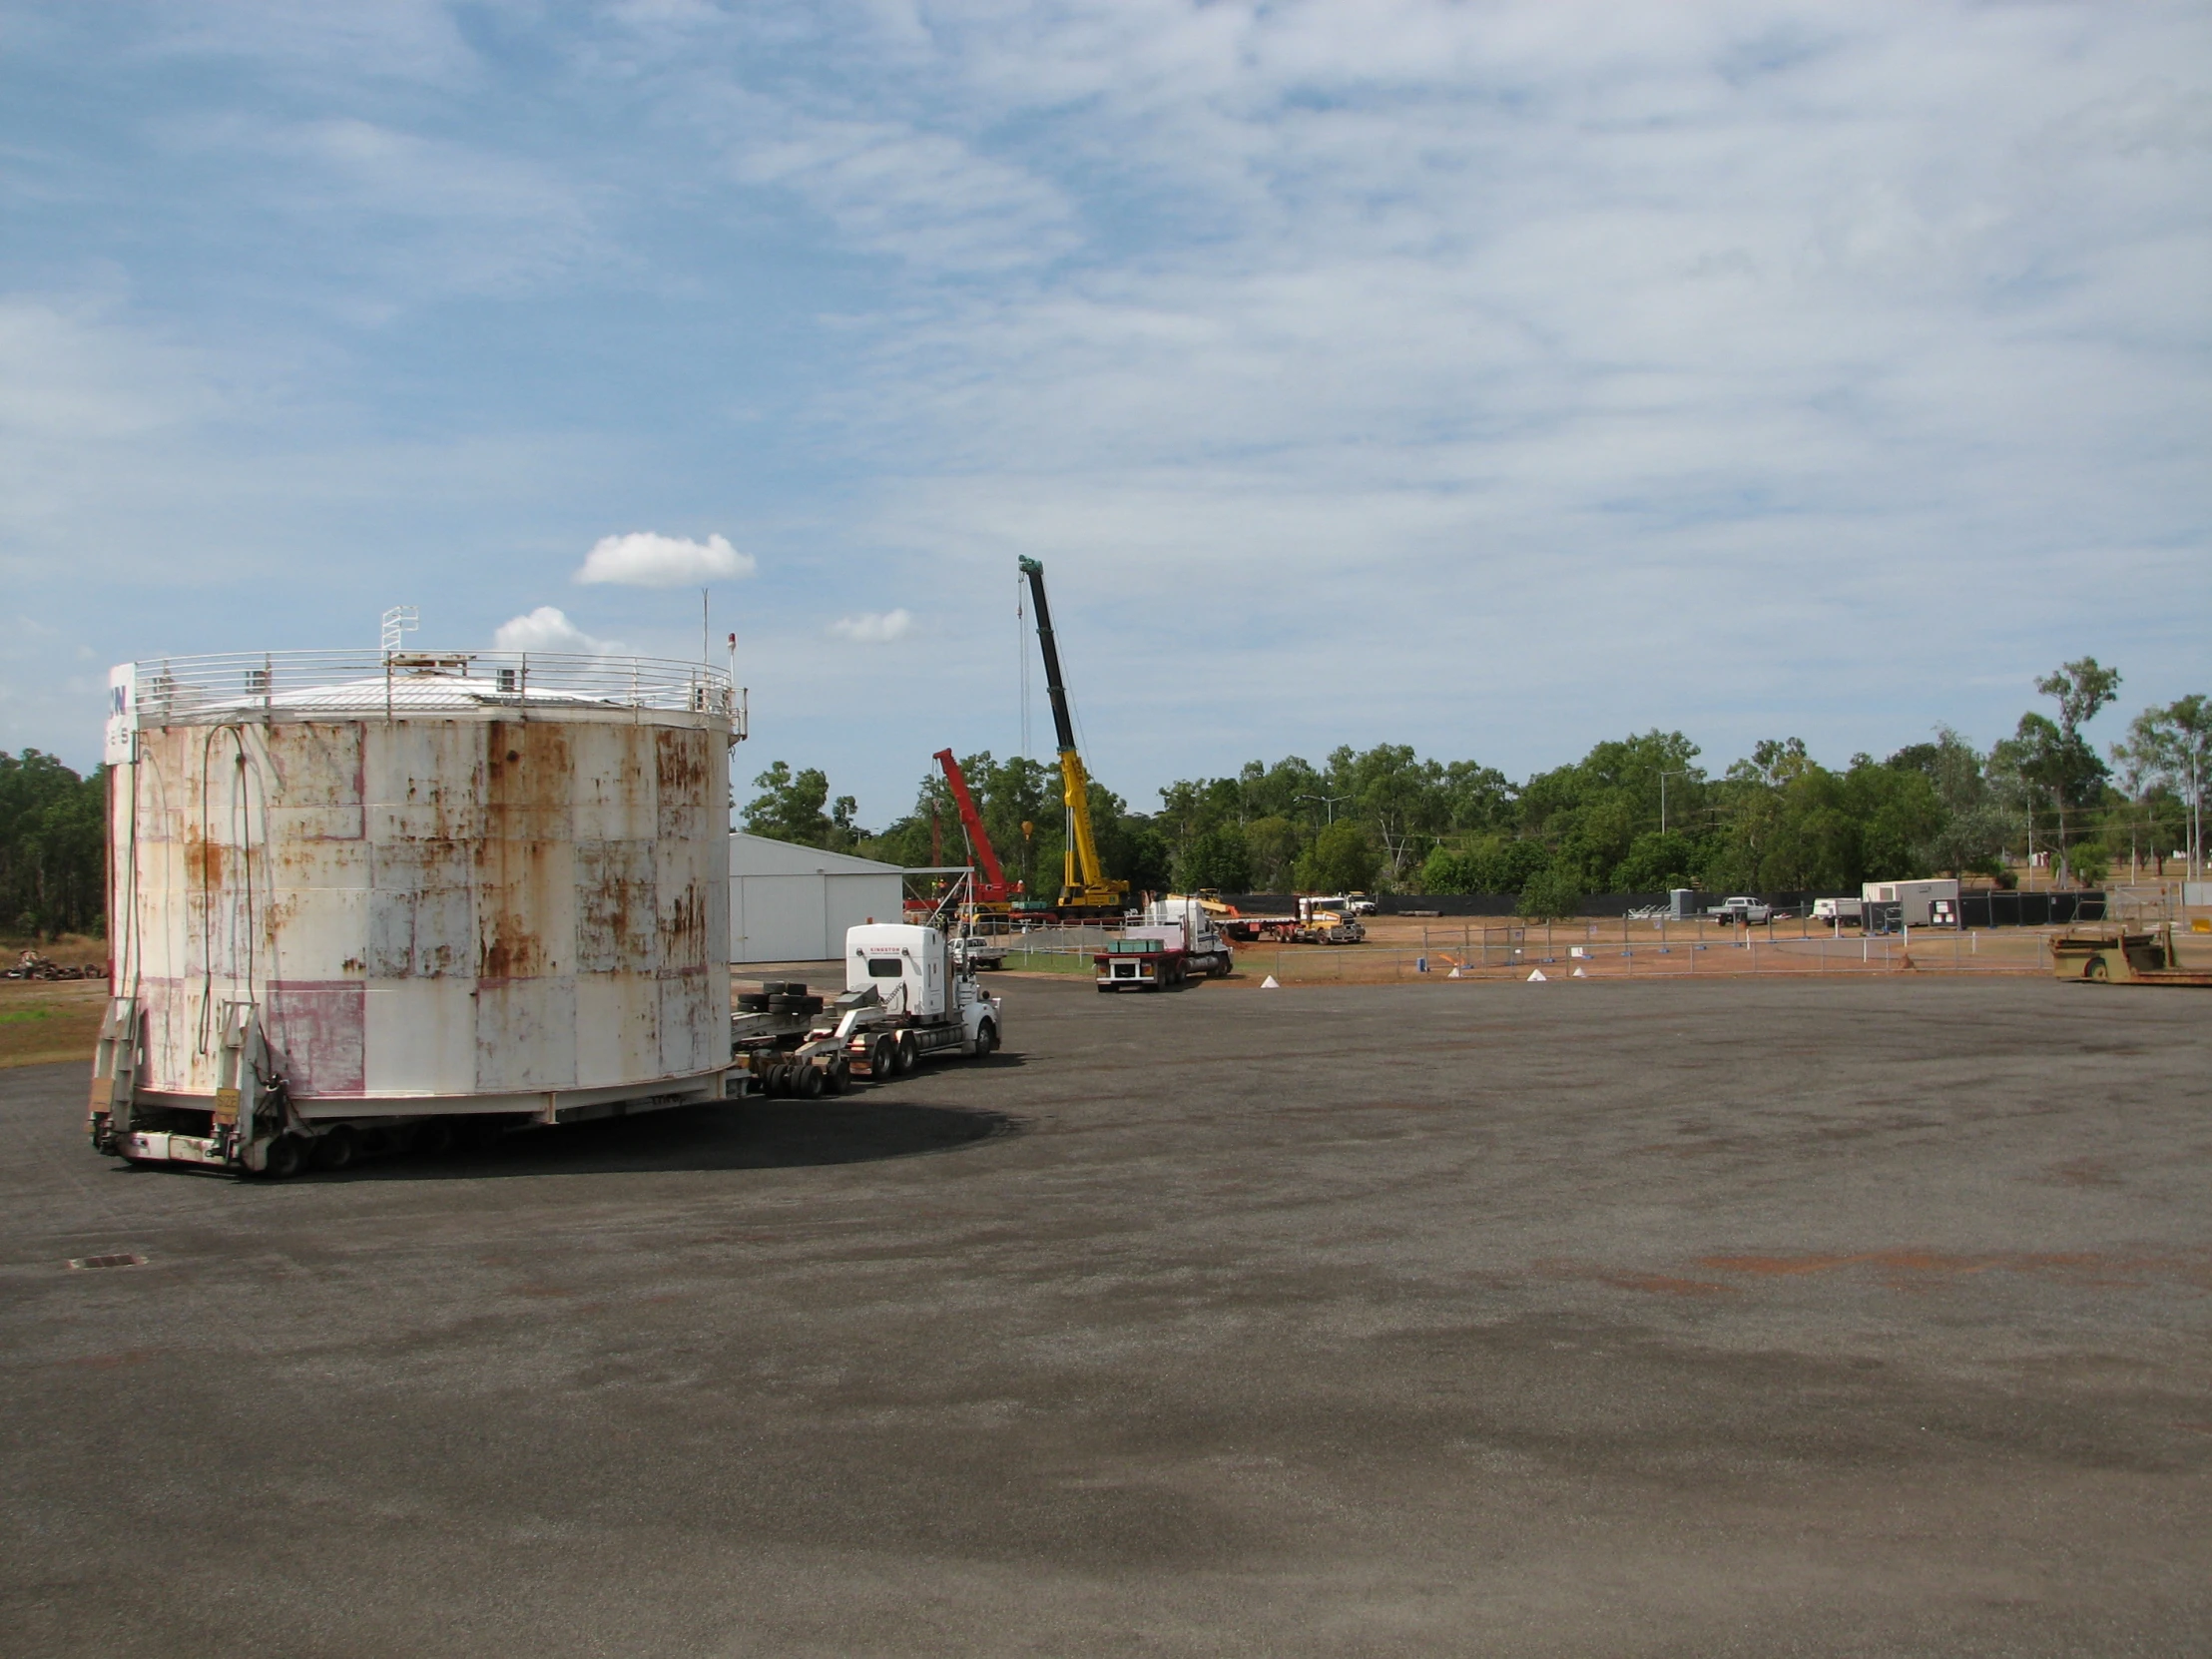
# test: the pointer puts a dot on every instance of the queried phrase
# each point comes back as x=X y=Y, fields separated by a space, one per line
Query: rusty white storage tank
x=365 y=888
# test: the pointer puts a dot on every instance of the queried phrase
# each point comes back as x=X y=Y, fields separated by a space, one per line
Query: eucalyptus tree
x=2173 y=745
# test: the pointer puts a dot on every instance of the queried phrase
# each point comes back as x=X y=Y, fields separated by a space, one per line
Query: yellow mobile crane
x=1084 y=889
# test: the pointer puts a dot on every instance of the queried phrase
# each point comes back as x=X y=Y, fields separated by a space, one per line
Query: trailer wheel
x=909 y=1054
x=837 y=1076
x=337 y=1149
x=284 y=1159
x=806 y=1081
x=2096 y=969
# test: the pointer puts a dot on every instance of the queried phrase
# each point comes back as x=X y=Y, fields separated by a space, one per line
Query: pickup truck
x=1741 y=911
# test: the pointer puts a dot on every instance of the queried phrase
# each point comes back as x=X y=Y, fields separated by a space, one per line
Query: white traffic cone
x=1538 y=975
x=1269 y=985
x=1579 y=974
x=1454 y=975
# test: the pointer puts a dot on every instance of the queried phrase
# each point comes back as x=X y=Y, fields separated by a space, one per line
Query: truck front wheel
x=284 y=1159
x=986 y=1038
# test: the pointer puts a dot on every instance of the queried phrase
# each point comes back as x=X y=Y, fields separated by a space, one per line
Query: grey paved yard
x=1861 y=1318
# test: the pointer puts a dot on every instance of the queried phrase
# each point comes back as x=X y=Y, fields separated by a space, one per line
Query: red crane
x=992 y=887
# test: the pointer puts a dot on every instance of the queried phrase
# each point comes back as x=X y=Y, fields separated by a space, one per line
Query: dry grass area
x=42 y=1022
x=1615 y=948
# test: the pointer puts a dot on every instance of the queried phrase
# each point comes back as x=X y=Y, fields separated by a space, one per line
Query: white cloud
x=874 y=627
x=643 y=559
x=548 y=629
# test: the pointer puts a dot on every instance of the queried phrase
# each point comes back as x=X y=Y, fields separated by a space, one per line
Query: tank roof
x=306 y=685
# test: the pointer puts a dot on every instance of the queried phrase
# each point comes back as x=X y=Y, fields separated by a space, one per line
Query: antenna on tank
x=399 y=622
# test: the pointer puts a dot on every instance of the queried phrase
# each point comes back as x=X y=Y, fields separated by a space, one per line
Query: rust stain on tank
x=202 y=859
x=679 y=767
x=527 y=780
x=683 y=928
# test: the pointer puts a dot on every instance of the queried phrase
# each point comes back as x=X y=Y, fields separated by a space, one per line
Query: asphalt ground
x=1856 y=1317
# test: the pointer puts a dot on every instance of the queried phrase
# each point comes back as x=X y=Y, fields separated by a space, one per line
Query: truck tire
x=337 y=1149
x=284 y=1159
x=883 y=1058
x=986 y=1039
x=806 y=1081
x=837 y=1076
x=909 y=1054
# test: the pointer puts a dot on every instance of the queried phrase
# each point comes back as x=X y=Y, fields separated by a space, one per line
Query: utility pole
x=1329 y=801
x=1663 y=776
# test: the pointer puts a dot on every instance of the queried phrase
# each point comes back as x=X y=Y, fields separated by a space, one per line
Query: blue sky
x=1494 y=378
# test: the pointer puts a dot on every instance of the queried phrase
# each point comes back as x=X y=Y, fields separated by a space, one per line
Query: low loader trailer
x=1314 y=923
x=910 y=995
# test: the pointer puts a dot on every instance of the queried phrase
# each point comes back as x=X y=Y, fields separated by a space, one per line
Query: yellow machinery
x=1084 y=887
x=2116 y=956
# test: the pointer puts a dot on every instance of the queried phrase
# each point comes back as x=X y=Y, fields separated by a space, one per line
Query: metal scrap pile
x=31 y=965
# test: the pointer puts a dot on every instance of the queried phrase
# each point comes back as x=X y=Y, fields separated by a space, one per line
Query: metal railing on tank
x=306 y=685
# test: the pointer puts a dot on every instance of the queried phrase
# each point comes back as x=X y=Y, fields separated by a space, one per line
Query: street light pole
x=1329 y=801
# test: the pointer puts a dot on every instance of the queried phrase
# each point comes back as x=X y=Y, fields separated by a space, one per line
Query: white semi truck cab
x=911 y=979
x=1189 y=926
x=910 y=994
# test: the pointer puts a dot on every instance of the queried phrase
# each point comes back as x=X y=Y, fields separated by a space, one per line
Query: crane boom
x=1083 y=884
x=992 y=890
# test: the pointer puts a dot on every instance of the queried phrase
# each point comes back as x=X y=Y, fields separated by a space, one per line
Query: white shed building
x=793 y=903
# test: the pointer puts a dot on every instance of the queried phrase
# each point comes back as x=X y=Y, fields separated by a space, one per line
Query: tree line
x=53 y=847
x=1635 y=814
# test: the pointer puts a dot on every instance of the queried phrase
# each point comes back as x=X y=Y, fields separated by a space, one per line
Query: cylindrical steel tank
x=436 y=882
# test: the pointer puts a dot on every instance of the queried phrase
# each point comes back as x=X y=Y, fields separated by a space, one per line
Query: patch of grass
x=43 y=1021
x=1049 y=961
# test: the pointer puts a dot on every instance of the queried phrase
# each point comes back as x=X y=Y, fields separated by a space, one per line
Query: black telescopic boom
x=1059 y=693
